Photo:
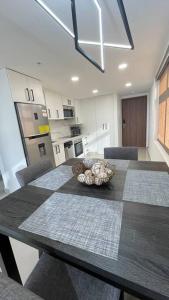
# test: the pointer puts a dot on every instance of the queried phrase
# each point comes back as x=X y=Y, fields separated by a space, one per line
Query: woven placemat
x=150 y=187
x=54 y=179
x=89 y=223
x=119 y=164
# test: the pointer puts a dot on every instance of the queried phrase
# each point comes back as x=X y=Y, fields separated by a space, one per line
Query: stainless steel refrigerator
x=34 y=127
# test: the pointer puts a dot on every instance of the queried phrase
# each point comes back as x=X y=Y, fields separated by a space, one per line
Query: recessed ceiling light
x=95 y=91
x=128 y=84
x=75 y=78
x=122 y=66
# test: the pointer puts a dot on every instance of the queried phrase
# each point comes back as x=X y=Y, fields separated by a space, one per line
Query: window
x=163 y=126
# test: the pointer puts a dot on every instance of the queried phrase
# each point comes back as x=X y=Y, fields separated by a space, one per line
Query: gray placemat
x=88 y=223
x=150 y=187
x=119 y=164
x=54 y=179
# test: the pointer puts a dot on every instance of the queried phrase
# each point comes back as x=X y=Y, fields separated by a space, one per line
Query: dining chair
x=60 y=281
x=126 y=153
x=53 y=279
x=32 y=172
x=11 y=290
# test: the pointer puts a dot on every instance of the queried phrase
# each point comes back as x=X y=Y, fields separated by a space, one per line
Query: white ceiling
x=28 y=35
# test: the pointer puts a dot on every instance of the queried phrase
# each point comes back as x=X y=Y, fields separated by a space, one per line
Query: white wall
x=156 y=151
x=12 y=156
x=93 y=113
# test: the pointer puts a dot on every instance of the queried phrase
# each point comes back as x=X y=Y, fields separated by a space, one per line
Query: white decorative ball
x=81 y=178
x=109 y=172
x=88 y=163
x=98 y=168
x=89 y=180
x=88 y=173
x=98 y=181
x=103 y=162
x=104 y=177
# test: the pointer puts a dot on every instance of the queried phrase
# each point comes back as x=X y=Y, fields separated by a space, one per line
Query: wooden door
x=134 y=120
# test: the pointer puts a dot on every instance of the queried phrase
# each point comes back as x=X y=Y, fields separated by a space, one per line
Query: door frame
x=148 y=111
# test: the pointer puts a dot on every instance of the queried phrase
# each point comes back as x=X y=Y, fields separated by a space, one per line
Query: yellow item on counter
x=44 y=129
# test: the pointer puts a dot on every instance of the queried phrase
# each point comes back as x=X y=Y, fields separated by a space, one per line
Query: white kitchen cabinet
x=97 y=118
x=59 y=153
x=36 y=91
x=54 y=105
x=18 y=86
x=78 y=112
x=25 y=89
x=60 y=107
x=88 y=120
x=67 y=101
x=102 y=124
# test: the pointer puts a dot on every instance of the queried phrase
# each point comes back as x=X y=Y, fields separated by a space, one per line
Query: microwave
x=68 y=112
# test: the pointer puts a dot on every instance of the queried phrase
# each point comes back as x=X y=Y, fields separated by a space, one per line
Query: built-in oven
x=78 y=147
x=68 y=112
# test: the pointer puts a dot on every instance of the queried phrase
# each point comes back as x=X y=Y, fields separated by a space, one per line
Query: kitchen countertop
x=65 y=139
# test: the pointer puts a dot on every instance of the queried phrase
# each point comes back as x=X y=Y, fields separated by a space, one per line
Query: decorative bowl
x=93 y=172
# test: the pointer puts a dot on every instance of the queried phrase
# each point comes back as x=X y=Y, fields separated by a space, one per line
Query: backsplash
x=60 y=128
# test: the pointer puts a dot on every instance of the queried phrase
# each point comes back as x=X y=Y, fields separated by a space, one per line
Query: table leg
x=122 y=295
x=9 y=259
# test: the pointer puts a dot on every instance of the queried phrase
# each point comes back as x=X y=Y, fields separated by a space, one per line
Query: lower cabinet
x=59 y=153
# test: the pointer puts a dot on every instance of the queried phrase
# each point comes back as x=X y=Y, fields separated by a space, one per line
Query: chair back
x=126 y=153
x=9 y=289
x=32 y=172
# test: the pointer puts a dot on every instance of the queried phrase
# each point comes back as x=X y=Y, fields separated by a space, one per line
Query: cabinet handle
x=49 y=113
x=57 y=112
x=27 y=94
x=57 y=149
x=32 y=94
x=103 y=126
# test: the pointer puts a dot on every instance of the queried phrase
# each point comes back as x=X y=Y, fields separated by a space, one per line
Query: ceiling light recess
x=75 y=78
x=128 y=84
x=95 y=91
x=122 y=66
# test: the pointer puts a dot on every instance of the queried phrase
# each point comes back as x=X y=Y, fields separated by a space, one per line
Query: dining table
x=118 y=232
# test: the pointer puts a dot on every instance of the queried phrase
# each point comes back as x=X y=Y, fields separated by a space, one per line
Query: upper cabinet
x=54 y=105
x=25 y=89
x=67 y=101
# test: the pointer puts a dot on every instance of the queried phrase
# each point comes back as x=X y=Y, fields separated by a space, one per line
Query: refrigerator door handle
x=27 y=94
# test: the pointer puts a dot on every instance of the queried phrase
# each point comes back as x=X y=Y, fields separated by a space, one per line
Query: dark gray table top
x=142 y=267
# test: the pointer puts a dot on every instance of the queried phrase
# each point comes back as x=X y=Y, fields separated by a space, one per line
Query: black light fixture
x=78 y=42
x=101 y=44
x=76 y=38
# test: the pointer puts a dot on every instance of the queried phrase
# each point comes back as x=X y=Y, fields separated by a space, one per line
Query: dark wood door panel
x=134 y=119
